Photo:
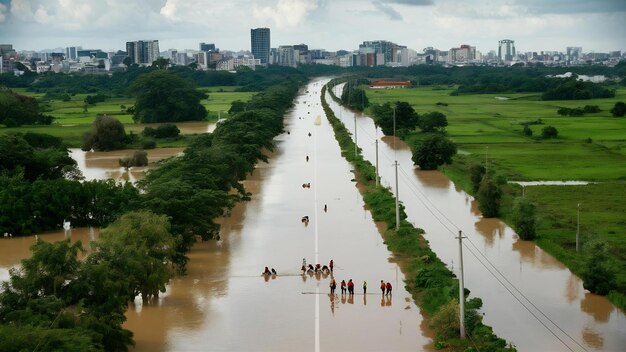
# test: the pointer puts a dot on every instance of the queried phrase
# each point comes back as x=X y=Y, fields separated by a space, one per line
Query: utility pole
x=397 y=198
x=486 y=152
x=461 y=288
x=377 y=163
x=355 y=137
x=577 y=225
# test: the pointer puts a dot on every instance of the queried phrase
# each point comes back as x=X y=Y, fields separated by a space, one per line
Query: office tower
x=207 y=47
x=260 y=44
x=71 y=53
x=143 y=51
x=508 y=53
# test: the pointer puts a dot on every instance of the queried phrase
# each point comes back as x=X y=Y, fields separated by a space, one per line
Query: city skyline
x=535 y=25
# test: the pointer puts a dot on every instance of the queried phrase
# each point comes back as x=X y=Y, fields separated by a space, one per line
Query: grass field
x=483 y=126
x=73 y=119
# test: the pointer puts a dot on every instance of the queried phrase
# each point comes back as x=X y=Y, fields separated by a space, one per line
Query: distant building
x=465 y=54
x=71 y=53
x=388 y=51
x=573 y=53
x=143 y=52
x=260 y=44
x=207 y=47
x=506 y=50
x=287 y=55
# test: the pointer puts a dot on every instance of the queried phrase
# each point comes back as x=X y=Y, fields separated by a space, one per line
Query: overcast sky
x=535 y=25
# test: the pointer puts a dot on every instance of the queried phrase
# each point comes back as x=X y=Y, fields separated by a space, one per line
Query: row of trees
x=17 y=110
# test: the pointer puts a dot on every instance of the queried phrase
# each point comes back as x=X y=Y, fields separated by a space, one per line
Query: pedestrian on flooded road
x=333 y=286
x=382 y=286
x=388 y=286
x=331 y=265
x=364 y=287
x=350 y=287
x=343 y=287
x=325 y=208
x=307 y=158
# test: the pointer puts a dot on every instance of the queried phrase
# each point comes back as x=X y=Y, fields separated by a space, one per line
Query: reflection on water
x=597 y=306
x=432 y=179
x=592 y=338
x=490 y=228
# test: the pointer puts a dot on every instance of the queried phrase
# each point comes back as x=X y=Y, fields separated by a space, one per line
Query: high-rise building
x=143 y=51
x=387 y=49
x=260 y=44
x=207 y=47
x=574 y=53
x=71 y=53
x=508 y=53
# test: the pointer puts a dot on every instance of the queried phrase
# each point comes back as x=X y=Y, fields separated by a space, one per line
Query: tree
x=166 y=130
x=433 y=121
x=140 y=248
x=139 y=158
x=525 y=219
x=549 y=132
x=598 y=276
x=619 y=109
x=406 y=117
x=237 y=106
x=527 y=131
x=477 y=171
x=434 y=151
x=107 y=134
x=488 y=196
x=162 y=96
x=161 y=63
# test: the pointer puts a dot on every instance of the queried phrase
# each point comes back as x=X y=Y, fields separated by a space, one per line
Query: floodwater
x=551 y=183
x=530 y=298
x=105 y=165
x=190 y=127
x=13 y=250
x=225 y=304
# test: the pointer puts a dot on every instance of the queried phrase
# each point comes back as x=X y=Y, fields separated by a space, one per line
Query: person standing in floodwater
x=307 y=158
x=333 y=286
x=325 y=208
x=382 y=287
x=364 y=287
x=350 y=287
x=388 y=286
x=343 y=287
x=331 y=265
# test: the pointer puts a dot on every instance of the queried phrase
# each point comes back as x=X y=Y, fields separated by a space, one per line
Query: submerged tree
x=107 y=134
x=525 y=219
x=598 y=276
x=488 y=196
x=434 y=151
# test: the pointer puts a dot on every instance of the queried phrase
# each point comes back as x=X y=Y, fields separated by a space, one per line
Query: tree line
x=55 y=301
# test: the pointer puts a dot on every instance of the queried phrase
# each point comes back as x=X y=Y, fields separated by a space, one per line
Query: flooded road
x=105 y=165
x=224 y=304
x=529 y=297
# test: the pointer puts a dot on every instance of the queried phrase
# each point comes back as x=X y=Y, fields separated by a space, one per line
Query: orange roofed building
x=390 y=84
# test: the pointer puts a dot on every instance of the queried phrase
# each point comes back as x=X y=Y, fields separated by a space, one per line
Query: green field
x=482 y=124
x=73 y=119
x=591 y=147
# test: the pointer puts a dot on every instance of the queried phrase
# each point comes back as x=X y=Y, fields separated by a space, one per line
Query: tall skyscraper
x=143 y=51
x=207 y=47
x=71 y=53
x=508 y=53
x=260 y=44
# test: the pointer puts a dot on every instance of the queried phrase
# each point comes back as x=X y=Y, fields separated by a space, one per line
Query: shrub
x=525 y=219
x=619 y=109
x=488 y=196
x=549 y=132
x=527 y=131
x=434 y=151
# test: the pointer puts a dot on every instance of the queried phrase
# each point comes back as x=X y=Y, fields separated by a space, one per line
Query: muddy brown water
x=525 y=289
x=224 y=304
x=105 y=165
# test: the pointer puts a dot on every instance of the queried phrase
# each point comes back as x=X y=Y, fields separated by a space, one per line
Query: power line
x=414 y=188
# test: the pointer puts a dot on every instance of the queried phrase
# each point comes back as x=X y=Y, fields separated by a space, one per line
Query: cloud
x=286 y=13
x=540 y=7
x=410 y=2
x=3 y=13
x=388 y=10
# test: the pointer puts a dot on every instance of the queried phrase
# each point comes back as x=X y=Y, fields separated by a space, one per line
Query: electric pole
x=377 y=163
x=461 y=288
x=577 y=225
x=397 y=198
